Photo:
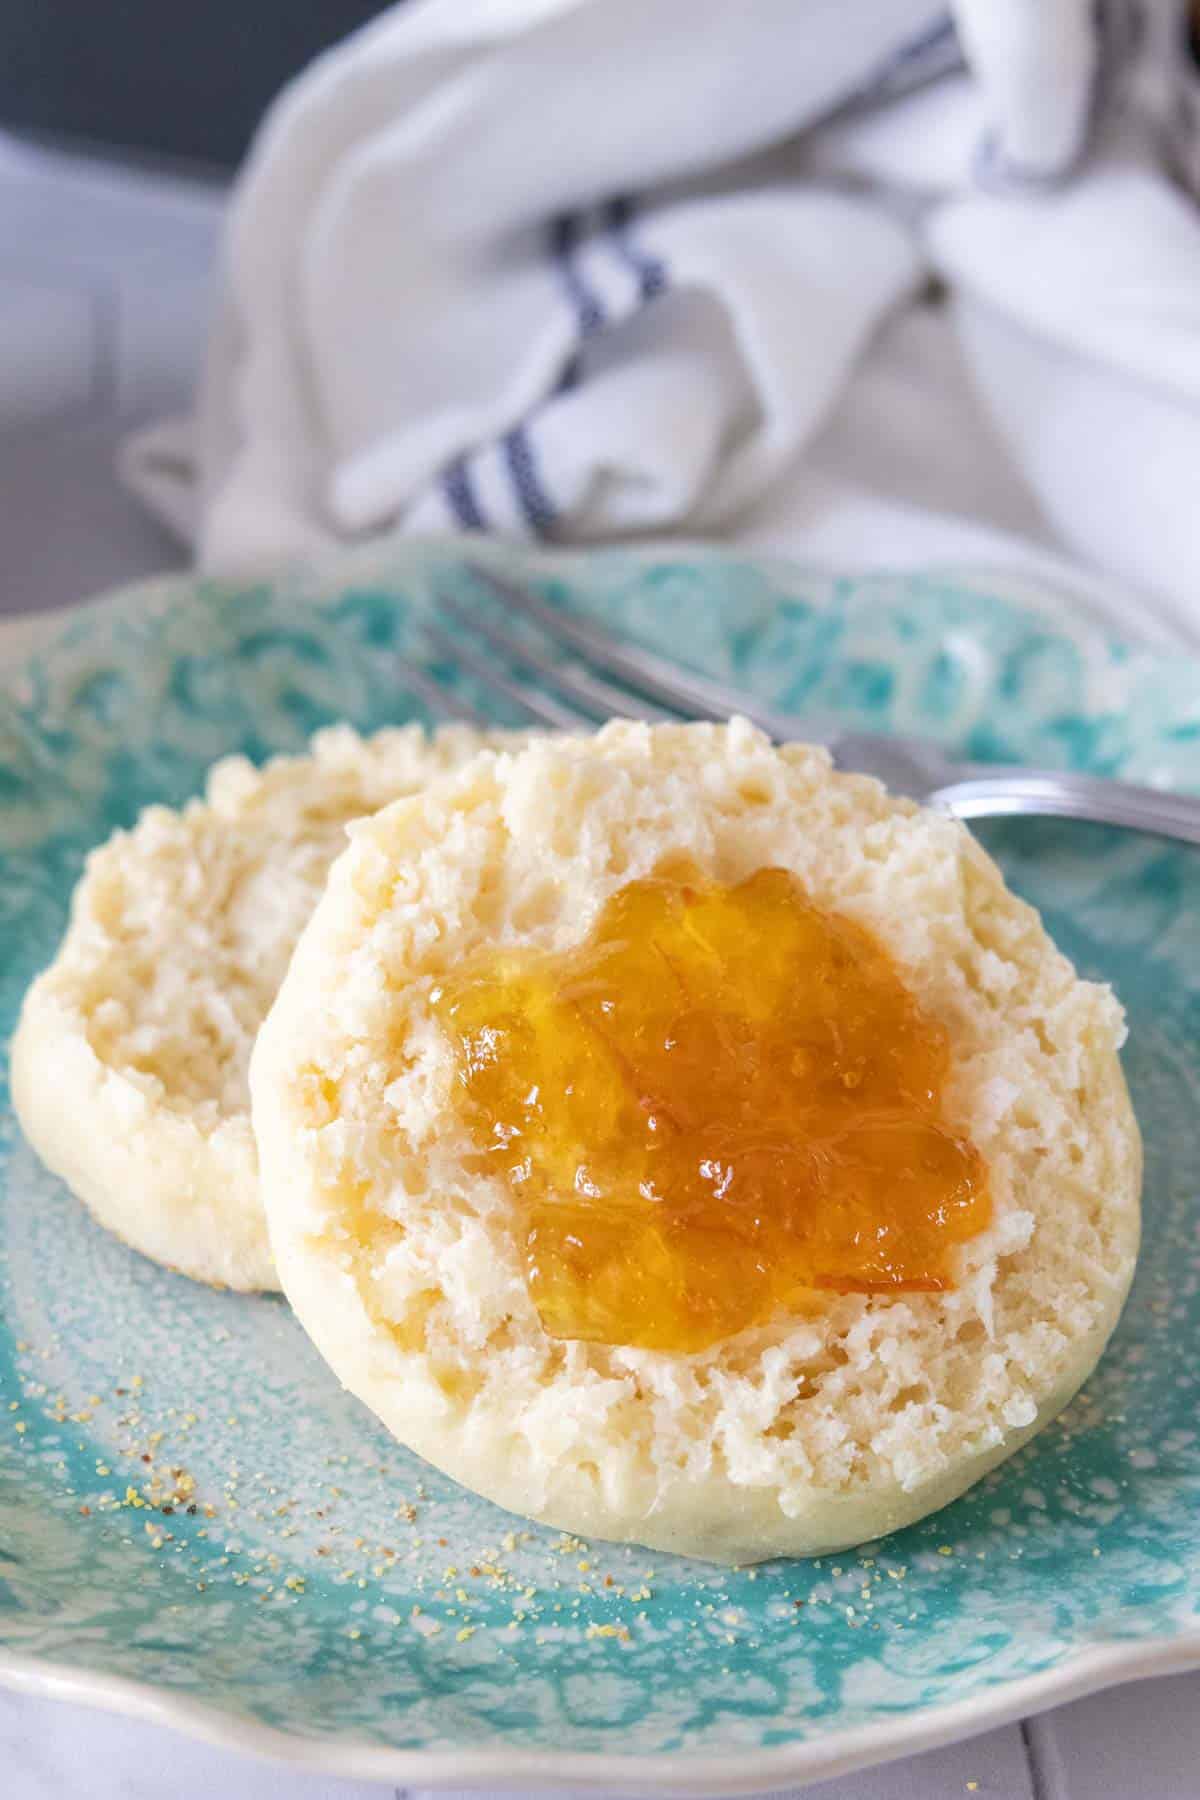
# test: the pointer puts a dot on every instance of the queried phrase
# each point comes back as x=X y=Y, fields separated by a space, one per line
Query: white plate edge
x=699 y=1776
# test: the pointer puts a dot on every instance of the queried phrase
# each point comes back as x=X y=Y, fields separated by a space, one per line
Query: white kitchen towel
x=582 y=268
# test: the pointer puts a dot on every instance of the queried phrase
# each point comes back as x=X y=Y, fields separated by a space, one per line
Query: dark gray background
x=186 y=78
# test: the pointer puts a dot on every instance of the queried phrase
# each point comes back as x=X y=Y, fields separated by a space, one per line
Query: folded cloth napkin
x=577 y=269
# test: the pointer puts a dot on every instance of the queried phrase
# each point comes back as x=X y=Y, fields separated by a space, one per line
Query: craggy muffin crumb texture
x=130 y=1061
x=399 y=1255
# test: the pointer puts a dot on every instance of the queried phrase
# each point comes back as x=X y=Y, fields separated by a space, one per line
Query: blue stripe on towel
x=564 y=238
x=651 y=271
x=520 y=458
x=935 y=36
x=536 y=503
x=461 y=497
x=572 y=370
x=931 y=53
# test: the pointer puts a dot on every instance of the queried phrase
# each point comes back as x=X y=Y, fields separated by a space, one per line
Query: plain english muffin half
x=129 y=1064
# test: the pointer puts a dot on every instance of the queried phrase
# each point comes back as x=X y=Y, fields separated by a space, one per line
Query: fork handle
x=1003 y=793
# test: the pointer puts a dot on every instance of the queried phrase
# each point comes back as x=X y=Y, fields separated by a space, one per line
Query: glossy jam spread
x=724 y=1099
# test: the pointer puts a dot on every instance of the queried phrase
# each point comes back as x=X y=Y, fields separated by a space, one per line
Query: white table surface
x=104 y=279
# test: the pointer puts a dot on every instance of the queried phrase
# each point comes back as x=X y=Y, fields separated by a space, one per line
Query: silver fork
x=603 y=677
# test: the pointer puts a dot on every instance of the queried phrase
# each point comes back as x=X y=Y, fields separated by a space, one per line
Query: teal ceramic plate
x=196 y=1525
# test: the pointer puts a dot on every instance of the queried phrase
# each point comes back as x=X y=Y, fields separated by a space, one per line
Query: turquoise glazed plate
x=196 y=1524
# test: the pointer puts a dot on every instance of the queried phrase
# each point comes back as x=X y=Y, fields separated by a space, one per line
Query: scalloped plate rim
x=841 y=1751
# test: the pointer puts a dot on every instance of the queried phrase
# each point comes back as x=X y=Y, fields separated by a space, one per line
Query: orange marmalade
x=724 y=1099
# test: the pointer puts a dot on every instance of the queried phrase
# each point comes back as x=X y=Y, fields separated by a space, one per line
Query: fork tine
x=610 y=701
x=437 y=698
x=651 y=674
x=542 y=706
x=579 y=684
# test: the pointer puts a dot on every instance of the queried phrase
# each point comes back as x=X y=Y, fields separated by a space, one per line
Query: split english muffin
x=430 y=1265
